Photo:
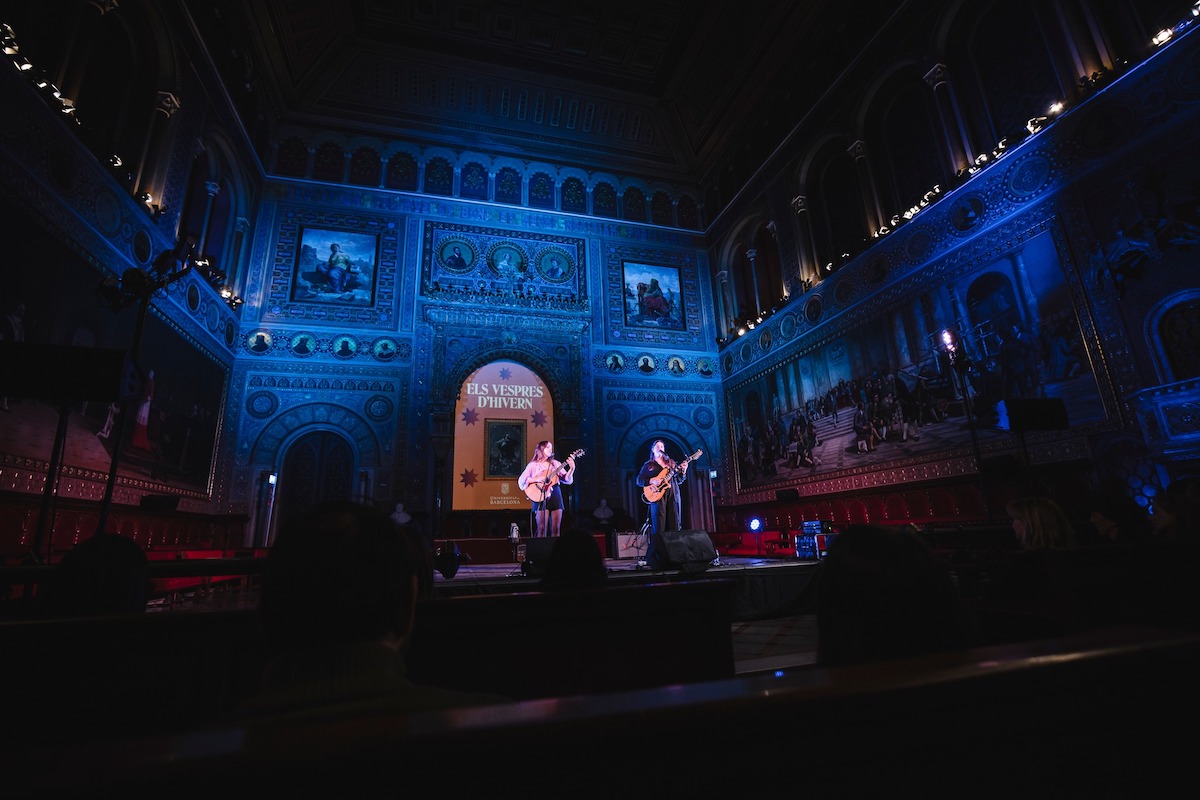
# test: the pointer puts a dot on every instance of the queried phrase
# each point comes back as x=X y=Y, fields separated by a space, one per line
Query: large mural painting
x=886 y=389
x=174 y=389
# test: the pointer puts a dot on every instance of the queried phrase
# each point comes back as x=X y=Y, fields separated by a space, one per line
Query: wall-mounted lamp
x=8 y=40
x=135 y=286
x=147 y=200
x=227 y=294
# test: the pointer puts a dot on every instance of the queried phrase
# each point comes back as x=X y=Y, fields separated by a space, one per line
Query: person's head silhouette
x=339 y=572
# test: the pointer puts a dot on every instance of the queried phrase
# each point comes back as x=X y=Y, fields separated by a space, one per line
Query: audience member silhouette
x=575 y=563
x=1117 y=518
x=104 y=575
x=339 y=592
x=1175 y=513
x=883 y=594
x=1026 y=596
x=1040 y=523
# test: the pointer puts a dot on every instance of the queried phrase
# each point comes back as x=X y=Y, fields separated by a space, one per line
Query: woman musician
x=541 y=480
x=662 y=475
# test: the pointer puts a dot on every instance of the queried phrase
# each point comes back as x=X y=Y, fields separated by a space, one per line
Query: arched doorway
x=318 y=467
x=695 y=493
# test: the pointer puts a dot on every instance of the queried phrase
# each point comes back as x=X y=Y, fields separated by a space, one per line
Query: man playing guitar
x=541 y=479
x=660 y=477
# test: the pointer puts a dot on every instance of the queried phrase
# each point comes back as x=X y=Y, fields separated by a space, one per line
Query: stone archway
x=317 y=467
x=682 y=439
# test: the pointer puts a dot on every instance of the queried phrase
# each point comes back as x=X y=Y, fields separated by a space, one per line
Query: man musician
x=660 y=477
x=545 y=473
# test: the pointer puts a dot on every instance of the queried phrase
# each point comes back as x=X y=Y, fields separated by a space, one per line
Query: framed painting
x=175 y=387
x=504 y=445
x=335 y=267
x=171 y=432
x=653 y=296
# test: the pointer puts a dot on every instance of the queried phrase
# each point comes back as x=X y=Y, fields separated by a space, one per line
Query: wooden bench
x=537 y=644
x=172 y=588
x=1023 y=595
x=1063 y=717
x=72 y=679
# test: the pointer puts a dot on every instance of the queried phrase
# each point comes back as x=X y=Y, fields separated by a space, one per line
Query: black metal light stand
x=960 y=366
x=138 y=287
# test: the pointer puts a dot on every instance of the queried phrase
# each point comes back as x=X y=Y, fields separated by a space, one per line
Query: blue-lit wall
x=1086 y=229
x=426 y=322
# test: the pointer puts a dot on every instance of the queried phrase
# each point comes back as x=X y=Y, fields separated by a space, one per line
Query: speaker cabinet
x=630 y=544
x=687 y=551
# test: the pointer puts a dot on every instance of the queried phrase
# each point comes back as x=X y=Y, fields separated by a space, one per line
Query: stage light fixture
x=951 y=342
x=755 y=524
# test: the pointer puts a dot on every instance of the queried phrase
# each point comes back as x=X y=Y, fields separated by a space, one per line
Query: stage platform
x=764 y=587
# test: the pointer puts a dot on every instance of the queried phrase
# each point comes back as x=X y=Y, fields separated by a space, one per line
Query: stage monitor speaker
x=687 y=551
x=537 y=556
x=787 y=494
x=1035 y=414
x=60 y=373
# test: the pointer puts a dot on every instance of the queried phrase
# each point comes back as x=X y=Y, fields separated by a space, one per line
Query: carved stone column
x=958 y=145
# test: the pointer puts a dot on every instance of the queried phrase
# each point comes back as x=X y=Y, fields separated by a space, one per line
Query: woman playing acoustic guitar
x=540 y=482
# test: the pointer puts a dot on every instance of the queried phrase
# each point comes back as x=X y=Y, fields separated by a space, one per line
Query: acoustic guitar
x=537 y=490
x=651 y=493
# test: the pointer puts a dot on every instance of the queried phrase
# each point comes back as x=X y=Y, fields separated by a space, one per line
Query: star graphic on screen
x=470 y=416
x=538 y=419
x=505 y=374
x=468 y=478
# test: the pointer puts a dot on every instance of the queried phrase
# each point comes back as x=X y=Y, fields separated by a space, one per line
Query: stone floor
x=767 y=645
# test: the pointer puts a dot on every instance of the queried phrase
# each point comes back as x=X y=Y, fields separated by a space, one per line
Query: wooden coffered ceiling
x=655 y=88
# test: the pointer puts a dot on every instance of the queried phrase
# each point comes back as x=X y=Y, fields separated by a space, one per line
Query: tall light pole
x=960 y=366
x=139 y=287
